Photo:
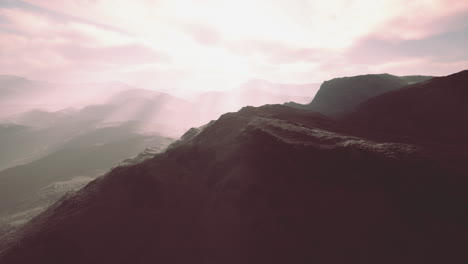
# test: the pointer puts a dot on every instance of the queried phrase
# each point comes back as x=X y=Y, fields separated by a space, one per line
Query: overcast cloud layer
x=215 y=44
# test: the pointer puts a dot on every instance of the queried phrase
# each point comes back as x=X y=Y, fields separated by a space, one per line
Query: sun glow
x=202 y=45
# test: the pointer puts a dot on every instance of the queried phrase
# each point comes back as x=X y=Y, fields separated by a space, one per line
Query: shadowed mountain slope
x=431 y=111
x=341 y=95
x=264 y=185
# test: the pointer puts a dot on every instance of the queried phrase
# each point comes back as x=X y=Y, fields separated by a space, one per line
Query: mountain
x=41 y=104
x=19 y=95
x=22 y=144
x=341 y=95
x=154 y=111
x=11 y=85
x=38 y=133
x=17 y=144
x=13 y=92
x=431 y=111
x=46 y=154
x=271 y=184
x=28 y=189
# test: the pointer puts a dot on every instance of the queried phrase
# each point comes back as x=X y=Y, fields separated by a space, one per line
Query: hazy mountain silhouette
x=75 y=163
x=41 y=104
x=70 y=147
x=341 y=95
x=274 y=184
x=13 y=92
x=17 y=145
x=19 y=95
x=12 y=85
x=252 y=93
x=38 y=133
x=22 y=144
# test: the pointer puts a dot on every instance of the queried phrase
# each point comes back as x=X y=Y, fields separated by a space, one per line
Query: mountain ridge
x=185 y=204
x=341 y=95
x=274 y=184
x=432 y=110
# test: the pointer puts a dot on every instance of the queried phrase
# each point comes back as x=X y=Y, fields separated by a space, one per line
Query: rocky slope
x=431 y=111
x=341 y=95
x=264 y=185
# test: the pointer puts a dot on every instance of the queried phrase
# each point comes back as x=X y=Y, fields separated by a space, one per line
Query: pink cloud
x=422 y=19
x=277 y=52
x=203 y=34
x=125 y=54
x=220 y=42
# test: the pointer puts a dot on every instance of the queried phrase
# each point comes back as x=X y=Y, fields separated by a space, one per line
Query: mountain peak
x=341 y=95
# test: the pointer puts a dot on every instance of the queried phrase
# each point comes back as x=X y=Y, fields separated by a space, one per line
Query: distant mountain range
x=384 y=182
x=39 y=104
x=252 y=93
x=26 y=190
x=19 y=95
x=51 y=147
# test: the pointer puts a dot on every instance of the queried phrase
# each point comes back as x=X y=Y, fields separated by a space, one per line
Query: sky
x=190 y=46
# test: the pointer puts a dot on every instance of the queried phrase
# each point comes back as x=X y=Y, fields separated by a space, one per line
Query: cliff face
x=263 y=185
x=341 y=95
